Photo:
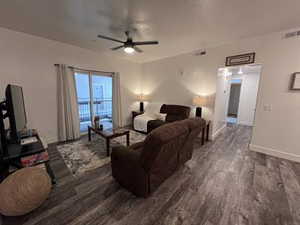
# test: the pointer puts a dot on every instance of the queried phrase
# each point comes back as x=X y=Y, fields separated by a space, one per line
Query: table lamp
x=142 y=98
x=199 y=101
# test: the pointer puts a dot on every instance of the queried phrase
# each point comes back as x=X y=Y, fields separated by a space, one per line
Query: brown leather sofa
x=174 y=113
x=142 y=167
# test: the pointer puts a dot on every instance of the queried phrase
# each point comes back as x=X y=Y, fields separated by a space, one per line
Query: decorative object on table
x=200 y=101
x=295 y=84
x=24 y=191
x=83 y=155
x=142 y=98
x=242 y=59
x=97 y=124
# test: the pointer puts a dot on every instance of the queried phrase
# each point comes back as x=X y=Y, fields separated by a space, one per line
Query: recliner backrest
x=163 y=143
x=175 y=112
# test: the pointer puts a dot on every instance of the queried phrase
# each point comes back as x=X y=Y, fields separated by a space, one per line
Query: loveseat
x=142 y=167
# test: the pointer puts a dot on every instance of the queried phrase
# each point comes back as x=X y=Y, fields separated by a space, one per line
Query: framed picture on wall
x=240 y=59
x=295 y=85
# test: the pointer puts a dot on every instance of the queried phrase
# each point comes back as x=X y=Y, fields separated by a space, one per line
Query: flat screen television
x=16 y=111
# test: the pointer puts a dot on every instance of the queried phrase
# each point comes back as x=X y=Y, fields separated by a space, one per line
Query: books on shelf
x=35 y=159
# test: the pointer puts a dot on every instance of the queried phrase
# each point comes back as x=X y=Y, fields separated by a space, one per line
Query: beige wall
x=29 y=61
x=277 y=132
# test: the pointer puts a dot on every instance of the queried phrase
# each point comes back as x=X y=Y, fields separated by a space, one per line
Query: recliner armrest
x=122 y=153
x=137 y=145
x=128 y=171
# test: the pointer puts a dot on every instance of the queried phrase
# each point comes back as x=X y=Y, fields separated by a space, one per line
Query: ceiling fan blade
x=116 y=48
x=109 y=38
x=138 y=49
x=146 y=43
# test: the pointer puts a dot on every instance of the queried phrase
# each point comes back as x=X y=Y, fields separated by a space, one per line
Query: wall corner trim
x=275 y=153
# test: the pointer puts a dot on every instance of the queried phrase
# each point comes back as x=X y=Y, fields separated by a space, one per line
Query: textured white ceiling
x=180 y=25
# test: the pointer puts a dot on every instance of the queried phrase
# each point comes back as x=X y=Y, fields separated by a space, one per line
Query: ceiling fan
x=129 y=45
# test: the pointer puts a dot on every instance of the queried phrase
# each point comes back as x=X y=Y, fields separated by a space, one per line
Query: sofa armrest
x=137 y=145
x=127 y=170
x=124 y=153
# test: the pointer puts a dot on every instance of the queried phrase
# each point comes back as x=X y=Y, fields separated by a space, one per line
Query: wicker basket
x=24 y=191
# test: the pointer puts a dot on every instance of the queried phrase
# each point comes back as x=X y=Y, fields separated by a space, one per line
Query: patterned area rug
x=81 y=156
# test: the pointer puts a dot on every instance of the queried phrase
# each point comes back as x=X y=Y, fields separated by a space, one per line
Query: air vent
x=292 y=34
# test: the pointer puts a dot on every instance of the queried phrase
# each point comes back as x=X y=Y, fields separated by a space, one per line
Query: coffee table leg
x=127 y=139
x=50 y=172
x=207 y=132
x=203 y=136
x=89 y=132
x=107 y=146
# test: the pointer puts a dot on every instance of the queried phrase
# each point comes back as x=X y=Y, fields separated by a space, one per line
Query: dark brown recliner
x=142 y=167
x=174 y=113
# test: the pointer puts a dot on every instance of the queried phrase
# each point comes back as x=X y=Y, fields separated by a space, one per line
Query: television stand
x=16 y=152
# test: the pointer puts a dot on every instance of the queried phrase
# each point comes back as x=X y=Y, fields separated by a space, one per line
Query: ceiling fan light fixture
x=129 y=50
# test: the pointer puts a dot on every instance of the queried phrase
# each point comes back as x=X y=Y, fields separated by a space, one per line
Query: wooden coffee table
x=108 y=135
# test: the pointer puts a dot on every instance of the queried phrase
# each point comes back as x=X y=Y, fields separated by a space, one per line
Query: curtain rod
x=77 y=68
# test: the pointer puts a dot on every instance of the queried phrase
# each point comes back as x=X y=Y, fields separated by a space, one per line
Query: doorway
x=236 y=96
x=234 y=100
x=243 y=82
x=94 y=97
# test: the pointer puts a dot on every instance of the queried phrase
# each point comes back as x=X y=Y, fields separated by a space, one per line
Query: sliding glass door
x=94 y=92
x=102 y=98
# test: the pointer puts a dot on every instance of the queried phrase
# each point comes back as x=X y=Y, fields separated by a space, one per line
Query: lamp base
x=199 y=112
x=141 y=106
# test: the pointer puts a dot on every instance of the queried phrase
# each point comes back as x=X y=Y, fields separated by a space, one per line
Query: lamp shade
x=142 y=97
x=200 y=101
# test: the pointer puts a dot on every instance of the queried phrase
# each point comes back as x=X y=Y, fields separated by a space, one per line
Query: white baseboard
x=214 y=135
x=275 y=153
x=51 y=140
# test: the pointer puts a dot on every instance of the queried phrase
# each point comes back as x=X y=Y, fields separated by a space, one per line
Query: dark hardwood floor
x=224 y=184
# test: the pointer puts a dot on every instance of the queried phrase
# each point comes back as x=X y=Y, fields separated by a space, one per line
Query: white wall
x=29 y=61
x=276 y=132
x=179 y=79
x=248 y=97
x=221 y=103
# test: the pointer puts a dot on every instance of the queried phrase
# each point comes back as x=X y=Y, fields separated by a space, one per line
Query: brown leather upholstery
x=174 y=113
x=142 y=167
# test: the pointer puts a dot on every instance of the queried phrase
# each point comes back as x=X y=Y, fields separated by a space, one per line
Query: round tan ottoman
x=24 y=191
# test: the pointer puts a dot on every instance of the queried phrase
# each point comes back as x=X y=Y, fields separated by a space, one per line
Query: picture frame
x=295 y=84
x=242 y=59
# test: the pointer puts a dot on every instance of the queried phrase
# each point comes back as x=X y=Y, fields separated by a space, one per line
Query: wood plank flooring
x=223 y=184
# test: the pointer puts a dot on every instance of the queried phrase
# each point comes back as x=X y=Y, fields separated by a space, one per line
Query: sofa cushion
x=157 y=138
x=175 y=112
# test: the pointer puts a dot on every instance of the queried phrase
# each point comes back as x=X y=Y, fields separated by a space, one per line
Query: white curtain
x=116 y=100
x=68 y=116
